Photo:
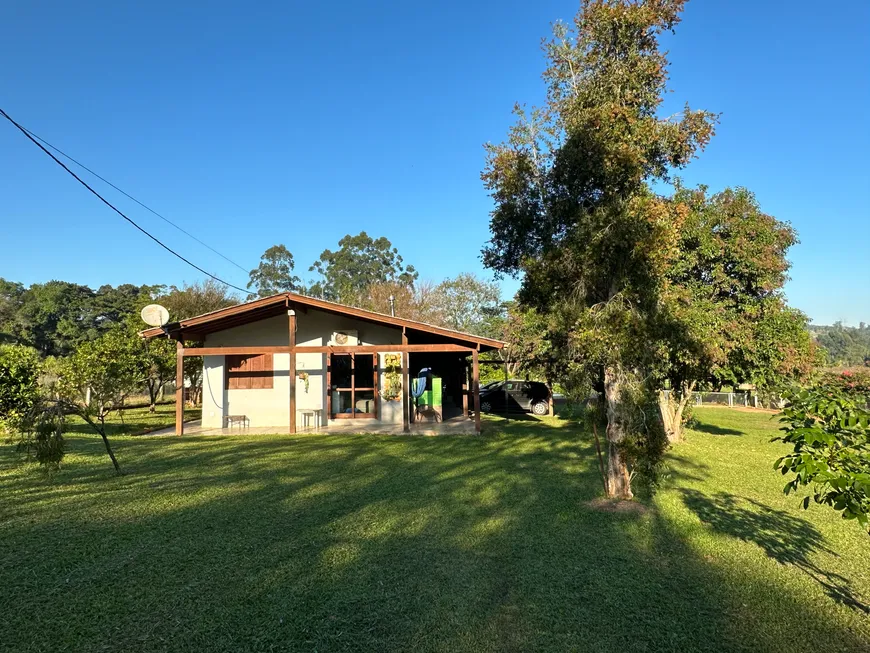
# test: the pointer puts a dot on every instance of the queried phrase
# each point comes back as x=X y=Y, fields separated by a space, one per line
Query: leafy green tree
x=196 y=299
x=359 y=263
x=10 y=305
x=828 y=426
x=190 y=301
x=413 y=302
x=55 y=317
x=467 y=303
x=722 y=317
x=574 y=210
x=20 y=367
x=112 y=306
x=274 y=274
x=94 y=381
x=843 y=345
x=158 y=363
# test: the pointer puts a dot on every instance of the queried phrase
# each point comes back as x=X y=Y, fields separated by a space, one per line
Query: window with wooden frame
x=249 y=372
x=353 y=386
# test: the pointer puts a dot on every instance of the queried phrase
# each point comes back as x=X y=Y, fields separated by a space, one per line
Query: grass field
x=374 y=543
x=135 y=421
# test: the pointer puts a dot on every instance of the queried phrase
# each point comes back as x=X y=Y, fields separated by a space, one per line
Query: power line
x=126 y=194
x=113 y=207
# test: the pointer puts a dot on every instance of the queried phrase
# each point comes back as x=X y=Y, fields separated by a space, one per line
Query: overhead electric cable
x=126 y=194
x=113 y=207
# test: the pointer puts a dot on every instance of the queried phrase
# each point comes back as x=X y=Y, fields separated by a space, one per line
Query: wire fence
x=745 y=398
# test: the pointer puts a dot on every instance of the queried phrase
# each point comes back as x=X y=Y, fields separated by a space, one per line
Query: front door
x=352 y=381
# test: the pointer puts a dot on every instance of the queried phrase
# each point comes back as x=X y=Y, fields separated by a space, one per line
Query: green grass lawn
x=135 y=421
x=374 y=543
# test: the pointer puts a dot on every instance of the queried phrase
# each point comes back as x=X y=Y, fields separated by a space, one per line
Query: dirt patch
x=617 y=506
x=742 y=409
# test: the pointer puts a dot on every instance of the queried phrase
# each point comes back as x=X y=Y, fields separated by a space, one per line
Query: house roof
x=259 y=309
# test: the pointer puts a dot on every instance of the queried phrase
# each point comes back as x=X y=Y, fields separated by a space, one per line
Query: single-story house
x=290 y=361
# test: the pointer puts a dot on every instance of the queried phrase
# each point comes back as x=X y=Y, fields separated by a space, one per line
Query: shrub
x=19 y=385
x=828 y=426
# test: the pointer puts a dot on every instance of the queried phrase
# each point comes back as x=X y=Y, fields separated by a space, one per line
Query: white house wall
x=271 y=407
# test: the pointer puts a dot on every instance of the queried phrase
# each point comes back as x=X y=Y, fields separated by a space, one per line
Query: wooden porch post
x=179 y=387
x=465 y=387
x=505 y=387
x=291 y=324
x=406 y=387
x=475 y=385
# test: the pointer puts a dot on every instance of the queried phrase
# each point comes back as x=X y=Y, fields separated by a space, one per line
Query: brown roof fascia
x=249 y=312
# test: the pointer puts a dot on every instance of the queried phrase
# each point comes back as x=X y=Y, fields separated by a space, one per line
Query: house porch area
x=459 y=425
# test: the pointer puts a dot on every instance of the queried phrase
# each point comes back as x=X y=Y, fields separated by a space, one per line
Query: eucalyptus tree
x=574 y=209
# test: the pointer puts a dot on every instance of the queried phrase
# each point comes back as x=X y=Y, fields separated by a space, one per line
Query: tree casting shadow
x=783 y=537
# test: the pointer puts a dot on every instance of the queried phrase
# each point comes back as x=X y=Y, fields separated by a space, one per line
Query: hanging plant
x=392 y=377
x=304 y=377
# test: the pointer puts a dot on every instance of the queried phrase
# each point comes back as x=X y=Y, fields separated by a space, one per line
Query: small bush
x=828 y=426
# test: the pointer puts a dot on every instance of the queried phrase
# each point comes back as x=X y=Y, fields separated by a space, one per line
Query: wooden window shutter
x=249 y=372
x=255 y=369
x=267 y=372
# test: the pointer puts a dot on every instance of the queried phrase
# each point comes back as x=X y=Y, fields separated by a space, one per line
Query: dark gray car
x=516 y=396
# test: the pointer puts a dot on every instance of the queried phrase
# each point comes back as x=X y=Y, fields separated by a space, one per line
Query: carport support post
x=179 y=387
x=406 y=387
x=291 y=325
x=465 y=387
x=475 y=385
x=505 y=387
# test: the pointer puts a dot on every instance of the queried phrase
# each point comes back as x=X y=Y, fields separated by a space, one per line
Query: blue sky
x=252 y=124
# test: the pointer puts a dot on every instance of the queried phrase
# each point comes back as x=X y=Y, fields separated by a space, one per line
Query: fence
x=743 y=398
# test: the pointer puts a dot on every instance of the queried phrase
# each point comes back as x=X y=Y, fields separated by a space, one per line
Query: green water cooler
x=429 y=403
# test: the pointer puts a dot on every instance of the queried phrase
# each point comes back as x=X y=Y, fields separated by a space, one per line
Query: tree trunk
x=618 y=480
x=108 y=446
x=101 y=429
x=671 y=411
x=550 y=402
x=152 y=395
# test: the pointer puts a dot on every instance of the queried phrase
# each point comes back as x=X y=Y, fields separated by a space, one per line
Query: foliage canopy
x=828 y=426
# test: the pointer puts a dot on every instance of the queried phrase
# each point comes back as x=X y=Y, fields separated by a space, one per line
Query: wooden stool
x=309 y=416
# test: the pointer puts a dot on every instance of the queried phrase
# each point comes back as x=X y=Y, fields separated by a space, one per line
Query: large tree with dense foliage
x=197 y=298
x=574 y=210
x=411 y=301
x=467 y=303
x=721 y=316
x=10 y=304
x=55 y=317
x=274 y=274
x=359 y=263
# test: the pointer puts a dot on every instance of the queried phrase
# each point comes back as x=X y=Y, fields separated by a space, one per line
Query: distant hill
x=844 y=345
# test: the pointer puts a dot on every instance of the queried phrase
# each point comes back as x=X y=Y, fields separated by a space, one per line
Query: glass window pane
x=363 y=371
x=365 y=401
x=341 y=402
x=340 y=373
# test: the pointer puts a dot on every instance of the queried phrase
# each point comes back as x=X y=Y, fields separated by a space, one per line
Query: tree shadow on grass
x=787 y=539
x=683 y=468
x=514 y=416
x=453 y=543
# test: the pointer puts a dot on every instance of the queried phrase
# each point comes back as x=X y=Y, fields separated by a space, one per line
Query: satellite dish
x=155 y=315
